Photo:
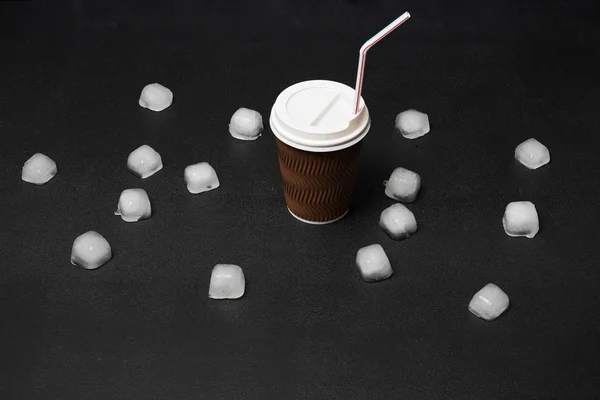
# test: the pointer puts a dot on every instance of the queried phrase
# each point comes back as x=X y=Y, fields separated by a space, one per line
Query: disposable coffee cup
x=319 y=138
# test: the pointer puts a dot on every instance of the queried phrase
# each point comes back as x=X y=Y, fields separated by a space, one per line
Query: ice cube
x=489 y=303
x=39 y=169
x=156 y=97
x=200 y=177
x=90 y=251
x=532 y=154
x=144 y=162
x=403 y=185
x=398 y=222
x=373 y=263
x=226 y=282
x=134 y=205
x=412 y=124
x=246 y=124
x=521 y=219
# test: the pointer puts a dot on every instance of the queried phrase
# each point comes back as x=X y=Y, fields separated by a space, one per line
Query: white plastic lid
x=317 y=116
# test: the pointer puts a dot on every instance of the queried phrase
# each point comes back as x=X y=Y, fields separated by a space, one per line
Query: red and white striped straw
x=363 y=55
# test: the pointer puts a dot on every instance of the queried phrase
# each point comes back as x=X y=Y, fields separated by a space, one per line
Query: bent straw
x=362 y=54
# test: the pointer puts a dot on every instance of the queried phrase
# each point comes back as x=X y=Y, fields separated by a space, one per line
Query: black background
x=490 y=74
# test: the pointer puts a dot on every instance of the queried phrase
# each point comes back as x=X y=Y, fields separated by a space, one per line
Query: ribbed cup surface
x=318 y=186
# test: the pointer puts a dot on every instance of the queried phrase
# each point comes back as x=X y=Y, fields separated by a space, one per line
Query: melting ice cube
x=521 y=219
x=403 y=185
x=489 y=303
x=200 y=178
x=412 y=124
x=90 y=251
x=156 y=97
x=246 y=124
x=134 y=205
x=144 y=161
x=532 y=154
x=39 y=169
x=398 y=222
x=226 y=282
x=373 y=263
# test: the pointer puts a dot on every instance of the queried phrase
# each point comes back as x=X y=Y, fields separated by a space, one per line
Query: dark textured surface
x=489 y=74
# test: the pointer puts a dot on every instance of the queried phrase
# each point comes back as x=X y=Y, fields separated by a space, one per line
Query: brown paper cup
x=318 y=187
x=319 y=137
